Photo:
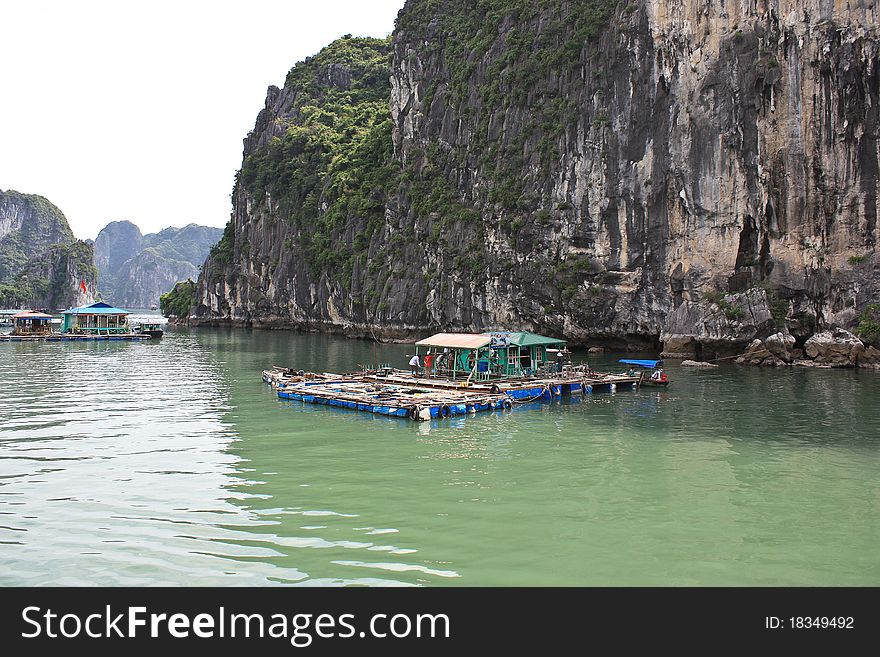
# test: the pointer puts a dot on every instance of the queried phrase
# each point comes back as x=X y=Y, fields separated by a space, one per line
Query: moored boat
x=656 y=378
x=153 y=329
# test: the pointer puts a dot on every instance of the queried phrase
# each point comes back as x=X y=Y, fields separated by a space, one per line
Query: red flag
x=82 y=286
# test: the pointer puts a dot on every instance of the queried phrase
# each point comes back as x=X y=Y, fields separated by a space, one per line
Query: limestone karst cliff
x=42 y=264
x=135 y=269
x=602 y=170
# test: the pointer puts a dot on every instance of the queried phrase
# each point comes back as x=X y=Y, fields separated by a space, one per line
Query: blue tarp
x=641 y=363
x=99 y=308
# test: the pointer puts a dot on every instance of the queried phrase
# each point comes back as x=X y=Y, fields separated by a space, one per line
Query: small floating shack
x=488 y=356
x=455 y=355
x=31 y=323
x=522 y=353
x=6 y=315
x=99 y=321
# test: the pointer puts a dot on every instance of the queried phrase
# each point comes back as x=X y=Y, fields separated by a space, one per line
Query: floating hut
x=7 y=314
x=517 y=364
x=522 y=353
x=488 y=356
x=455 y=355
x=31 y=323
x=97 y=319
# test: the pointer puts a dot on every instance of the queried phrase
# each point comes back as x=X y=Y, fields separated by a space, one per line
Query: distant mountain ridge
x=135 y=269
x=42 y=265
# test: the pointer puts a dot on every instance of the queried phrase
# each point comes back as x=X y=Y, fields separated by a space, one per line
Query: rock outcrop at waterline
x=600 y=170
x=836 y=348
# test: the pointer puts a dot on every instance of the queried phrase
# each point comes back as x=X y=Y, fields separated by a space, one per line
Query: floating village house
x=523 y=353
x=454 y=355
x=97 y=319
x=30 y=322
x=484 y=356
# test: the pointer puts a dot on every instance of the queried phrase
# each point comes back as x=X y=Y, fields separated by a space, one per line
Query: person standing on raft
x=414 y=365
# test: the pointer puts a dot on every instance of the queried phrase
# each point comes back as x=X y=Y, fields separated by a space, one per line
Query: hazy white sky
x=116 y=109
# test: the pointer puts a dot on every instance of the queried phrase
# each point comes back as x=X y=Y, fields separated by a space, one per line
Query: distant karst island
x=134 y=270
x=43 y=266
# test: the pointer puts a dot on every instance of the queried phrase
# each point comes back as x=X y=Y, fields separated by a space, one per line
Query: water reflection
x=171 y=463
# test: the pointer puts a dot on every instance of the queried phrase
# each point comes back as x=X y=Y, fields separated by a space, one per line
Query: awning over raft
x=31 y=314
x=456 y=340
x=641 y=363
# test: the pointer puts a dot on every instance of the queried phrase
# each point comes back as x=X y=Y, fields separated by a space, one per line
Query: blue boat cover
x=641 y=363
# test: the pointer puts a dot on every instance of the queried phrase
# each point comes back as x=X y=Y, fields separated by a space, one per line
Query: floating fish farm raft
x=65 y=337
x=398 y=394
x=99 y=321
x=455 y=374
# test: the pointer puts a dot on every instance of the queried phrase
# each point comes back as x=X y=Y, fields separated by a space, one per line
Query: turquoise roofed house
x=97 y=319
x=491 y=355
x=520 y=352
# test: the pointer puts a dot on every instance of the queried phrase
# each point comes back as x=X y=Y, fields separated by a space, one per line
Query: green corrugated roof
x=526 y=339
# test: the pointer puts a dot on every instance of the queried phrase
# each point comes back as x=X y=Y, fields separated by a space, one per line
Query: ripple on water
x=170 y=463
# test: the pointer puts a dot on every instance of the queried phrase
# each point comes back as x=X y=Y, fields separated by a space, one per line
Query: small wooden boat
x=154 y=330
x=656 y=378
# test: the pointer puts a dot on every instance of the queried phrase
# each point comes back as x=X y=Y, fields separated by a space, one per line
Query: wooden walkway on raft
x=398 y=394
x=548 y=386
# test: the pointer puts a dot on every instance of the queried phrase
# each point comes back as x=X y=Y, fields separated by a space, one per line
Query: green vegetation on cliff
x=41 y=262
x=502 y=54
x=29 y=225
x=335 y=153
x=178 y=301
x=332 y=168
x=508 y=73
x=471 y=30
x=222 y=251
x=869 y=324
x=51 y=279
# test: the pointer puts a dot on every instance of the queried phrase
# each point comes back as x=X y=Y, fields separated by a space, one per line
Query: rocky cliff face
x=41 y=263
x=135 y=269
x=29 y=225
x=585 y=168
x=53 y=277
x=117 y=242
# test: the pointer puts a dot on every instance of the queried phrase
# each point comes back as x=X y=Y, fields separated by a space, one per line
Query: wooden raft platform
x=398 y=394
x=71 y=338
x=393 y=400
x=572 y=382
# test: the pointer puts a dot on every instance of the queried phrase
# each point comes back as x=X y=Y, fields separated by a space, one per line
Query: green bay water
x=171 y=463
